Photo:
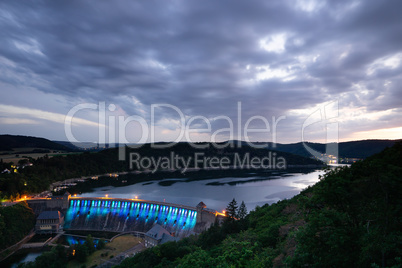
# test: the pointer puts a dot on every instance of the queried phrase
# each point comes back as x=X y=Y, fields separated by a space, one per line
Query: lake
x=254 y=189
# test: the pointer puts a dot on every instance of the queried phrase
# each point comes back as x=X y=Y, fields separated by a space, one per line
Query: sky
x=141 y=71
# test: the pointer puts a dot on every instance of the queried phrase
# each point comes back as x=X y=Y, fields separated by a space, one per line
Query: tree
x=231 y=209
x=101 y=244
x=23 y=161
x=89 y=242
x=81 y=252
x=242 y=211
x=198 y=258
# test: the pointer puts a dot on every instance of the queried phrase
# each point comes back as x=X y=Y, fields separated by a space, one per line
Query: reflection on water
x=28 y=257
x=75 y=240
x=216 y=193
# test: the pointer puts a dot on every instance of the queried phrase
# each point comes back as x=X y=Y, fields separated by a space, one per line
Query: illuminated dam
x=126 y=215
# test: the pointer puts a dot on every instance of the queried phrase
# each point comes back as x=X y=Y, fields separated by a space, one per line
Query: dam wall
x=125 y=215
x=39 y=205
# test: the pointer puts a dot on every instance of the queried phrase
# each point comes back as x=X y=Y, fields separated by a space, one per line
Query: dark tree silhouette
x=242 y=211
x=231 y=209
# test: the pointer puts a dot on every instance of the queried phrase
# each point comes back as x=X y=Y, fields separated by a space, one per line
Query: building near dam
x=49 y=222
x=129 y=215
x=158 y=235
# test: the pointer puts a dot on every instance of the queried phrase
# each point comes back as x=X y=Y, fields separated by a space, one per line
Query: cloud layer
x=275 y=57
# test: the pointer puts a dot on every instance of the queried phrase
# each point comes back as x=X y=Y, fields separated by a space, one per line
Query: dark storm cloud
x=205 y=56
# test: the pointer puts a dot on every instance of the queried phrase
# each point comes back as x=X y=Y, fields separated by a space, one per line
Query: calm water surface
x=28 y=257
x=216 y=193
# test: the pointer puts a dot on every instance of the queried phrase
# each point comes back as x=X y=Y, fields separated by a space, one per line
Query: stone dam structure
x=127 y=215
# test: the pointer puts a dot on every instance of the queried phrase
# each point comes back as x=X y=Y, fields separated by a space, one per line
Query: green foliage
x=59 y=256
x=81 y=252
x=46 y=170
x=351 y=218
x=242 y=211
x=89 y=243
x=351 y=149
x=15 y=223
x=231 y=209
x=8 y=142
x=213 y=236
x=55 y=258
x=101 y=244
x=198 y=258
x=355 y=215
x=161 y=256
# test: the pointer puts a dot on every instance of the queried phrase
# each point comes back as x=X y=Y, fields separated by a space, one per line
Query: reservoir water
x=256 y=189
x=216 y=193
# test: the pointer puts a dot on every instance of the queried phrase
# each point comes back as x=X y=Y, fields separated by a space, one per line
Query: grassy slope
x=117 y=246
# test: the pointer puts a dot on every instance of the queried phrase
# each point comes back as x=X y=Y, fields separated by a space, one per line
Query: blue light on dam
x=125 y=216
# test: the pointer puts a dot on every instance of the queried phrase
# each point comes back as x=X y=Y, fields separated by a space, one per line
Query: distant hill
x=8 y=142
x=365 y=148
x=180 y=157
x=232 y=152
x=87 y=146
x=350 y=149
x=67 y=144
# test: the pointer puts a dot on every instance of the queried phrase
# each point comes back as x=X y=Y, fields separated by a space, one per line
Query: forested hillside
x=15 y=223
x=351 y=149
x=351 y=218
x=8 y=142
x=45 y=170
